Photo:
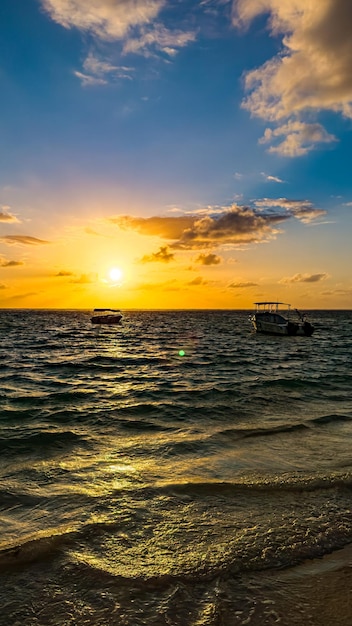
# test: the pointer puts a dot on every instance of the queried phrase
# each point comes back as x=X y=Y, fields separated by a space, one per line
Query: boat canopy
x=113 y=310
x=271 y=306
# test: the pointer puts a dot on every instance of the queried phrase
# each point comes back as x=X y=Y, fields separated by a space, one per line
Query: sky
x=175 y=153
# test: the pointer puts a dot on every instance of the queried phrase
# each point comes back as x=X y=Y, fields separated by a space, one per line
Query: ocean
x=174 y=470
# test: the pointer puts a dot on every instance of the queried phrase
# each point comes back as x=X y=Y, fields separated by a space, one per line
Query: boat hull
x=289 y=328
x=107 y=320
x=268 y=328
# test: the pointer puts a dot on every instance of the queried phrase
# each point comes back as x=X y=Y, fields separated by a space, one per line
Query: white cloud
x=134 y=22
x=98 y=71
x=272 y=179
x=160 y=38
x=89 y=81
x=106 y=19
x=312 y=73
x=300 y=138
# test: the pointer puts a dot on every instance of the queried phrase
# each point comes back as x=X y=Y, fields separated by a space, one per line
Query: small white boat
x=269 y=319
x=106 y=316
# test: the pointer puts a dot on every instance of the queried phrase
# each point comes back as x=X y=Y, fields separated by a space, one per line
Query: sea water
x=146 y=469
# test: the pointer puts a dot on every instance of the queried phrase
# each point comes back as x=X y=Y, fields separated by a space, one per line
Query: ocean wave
x=196 y=532
x=34 y=442
x=323 y=420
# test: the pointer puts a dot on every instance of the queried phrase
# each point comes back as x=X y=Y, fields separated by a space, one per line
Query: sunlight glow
x=115 y=274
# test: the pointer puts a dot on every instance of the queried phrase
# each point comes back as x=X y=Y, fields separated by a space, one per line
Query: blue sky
x=231 y=119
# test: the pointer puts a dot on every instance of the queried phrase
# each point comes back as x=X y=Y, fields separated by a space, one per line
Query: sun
x=115 y=274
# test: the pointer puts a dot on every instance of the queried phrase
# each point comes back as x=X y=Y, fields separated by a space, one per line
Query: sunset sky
x=201 y=149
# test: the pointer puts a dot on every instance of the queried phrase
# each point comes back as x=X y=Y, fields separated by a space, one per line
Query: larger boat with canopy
x=275 y=318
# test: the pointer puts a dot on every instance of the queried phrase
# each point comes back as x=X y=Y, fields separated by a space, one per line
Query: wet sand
x=317 y=593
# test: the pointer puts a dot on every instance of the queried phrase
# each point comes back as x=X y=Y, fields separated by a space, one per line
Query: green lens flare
x=181 y=353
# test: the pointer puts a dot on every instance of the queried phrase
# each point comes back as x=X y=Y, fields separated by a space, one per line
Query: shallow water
x=147 y=469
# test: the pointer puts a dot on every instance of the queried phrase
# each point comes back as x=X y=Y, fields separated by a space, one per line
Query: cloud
x=338 y=292
x=304 y=278
x=160 y=38
x=64 y=273
x=2 y=286
x=301 y=209
x=99 y=71
x=272 y=179
x=196 y=282
x=106 y=19
x=5 y=216
x=25 y=240
x=230 y=226
x=21 y=296
x=311 y=73
x=240 y=285
x=299 y=139
x=163 y=255
x=5 y=263
x=90 y=81
x=166 y=227
x=208 y=259
x=131 y=21
x=85 y=279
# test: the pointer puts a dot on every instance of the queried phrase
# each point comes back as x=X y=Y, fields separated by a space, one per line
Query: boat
x=106 y=316
x=269 y=318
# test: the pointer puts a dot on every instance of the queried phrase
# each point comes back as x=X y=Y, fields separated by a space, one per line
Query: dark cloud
x=300 y=209
x=64 y=273
x=162 y=256
x=208 y=259
x=213 y=227
x=236 y=225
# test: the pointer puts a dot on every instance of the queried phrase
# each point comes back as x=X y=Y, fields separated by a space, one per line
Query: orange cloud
x=304 y=278
x=5 y=216
x=5 y=263
x=242 y=285
x=165 y=227
x=22 y=239
x=85 y=279
x=197 y=281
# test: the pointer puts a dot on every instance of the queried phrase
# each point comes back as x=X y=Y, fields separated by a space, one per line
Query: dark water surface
x=146 y=470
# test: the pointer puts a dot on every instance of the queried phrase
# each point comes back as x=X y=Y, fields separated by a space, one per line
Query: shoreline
x=315 y=593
